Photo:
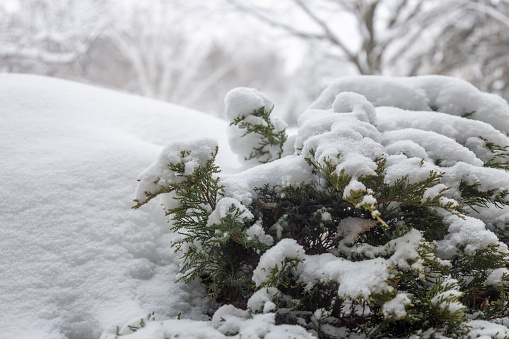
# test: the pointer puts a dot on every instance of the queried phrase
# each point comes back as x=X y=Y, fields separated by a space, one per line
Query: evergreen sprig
x=500 y=153
x=269 y=137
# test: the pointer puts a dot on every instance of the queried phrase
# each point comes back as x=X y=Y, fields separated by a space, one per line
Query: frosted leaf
x=350 y=228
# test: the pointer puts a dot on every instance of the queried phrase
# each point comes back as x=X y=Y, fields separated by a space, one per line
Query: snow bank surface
x=75 y=260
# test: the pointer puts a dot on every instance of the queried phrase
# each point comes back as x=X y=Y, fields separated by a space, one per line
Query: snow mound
x=75 y=259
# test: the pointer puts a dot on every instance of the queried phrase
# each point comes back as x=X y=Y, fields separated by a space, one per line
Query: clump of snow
x=223 y=208
x=275 y=258
x=401 y=251
x=262 y=300
x=241 y=103
x=465 y=131
x=448 y=301
x=227 y=322
x=438 y=148
x=358 y=279
x=340 y=138
x=347 y=102
x=483 y=329
x=433 y=192
x=291 y=170
x=191 y=153
x=413 y=169
x=396 y=306
x=256 y=232
x=498 y=276
x=353 y=186
x=467 y=232
x=486 y=178
x=232 y=321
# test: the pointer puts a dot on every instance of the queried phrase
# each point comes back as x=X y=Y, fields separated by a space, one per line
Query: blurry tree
x=170 y=57
x=465 y=38
x=40 y=36
x=162 y=49
x=369 y=34
x=474 y=45
x=166 y=49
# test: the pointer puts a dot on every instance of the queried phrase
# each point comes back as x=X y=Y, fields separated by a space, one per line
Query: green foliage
x=361 y=221
x=474 y=197
x=500 y=155
x=271 y=139
x=133 y=328
x=221 y=254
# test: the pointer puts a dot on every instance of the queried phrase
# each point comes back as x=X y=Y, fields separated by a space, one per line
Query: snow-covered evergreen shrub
x=385 y=216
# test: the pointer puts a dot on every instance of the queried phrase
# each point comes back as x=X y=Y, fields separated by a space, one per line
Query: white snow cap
x=346 y=102
x=243 y=101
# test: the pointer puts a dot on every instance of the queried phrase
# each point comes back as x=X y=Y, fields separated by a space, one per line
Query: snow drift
x=75 y=260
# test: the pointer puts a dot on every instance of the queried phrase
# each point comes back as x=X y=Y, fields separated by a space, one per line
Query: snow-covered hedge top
x=388 y=180
x=424 y=93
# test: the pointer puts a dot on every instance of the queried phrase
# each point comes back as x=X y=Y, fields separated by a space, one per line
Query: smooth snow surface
x=75 y=260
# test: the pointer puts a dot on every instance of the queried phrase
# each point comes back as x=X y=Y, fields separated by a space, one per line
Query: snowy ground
x=75 y=260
